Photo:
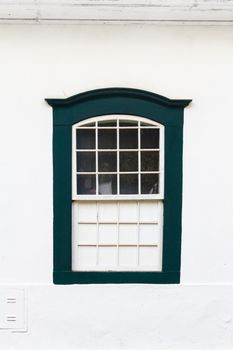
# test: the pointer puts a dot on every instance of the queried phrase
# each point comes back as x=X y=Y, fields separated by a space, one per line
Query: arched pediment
x=118 y=92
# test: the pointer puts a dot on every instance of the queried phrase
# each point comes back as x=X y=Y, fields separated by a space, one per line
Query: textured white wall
x=177 y=62
x=128 y=317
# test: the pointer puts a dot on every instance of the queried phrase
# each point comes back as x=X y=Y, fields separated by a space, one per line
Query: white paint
x=126 y=317
x=12 y=310
x=86 y=11
x=177 y=62
x=125 y=235
x=98 y=246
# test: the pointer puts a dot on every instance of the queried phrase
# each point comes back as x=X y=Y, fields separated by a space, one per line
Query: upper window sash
x=97 y=161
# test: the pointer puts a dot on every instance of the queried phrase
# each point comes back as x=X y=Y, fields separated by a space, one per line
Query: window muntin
x=114 y=158
x=120 y=156
x=117 y=235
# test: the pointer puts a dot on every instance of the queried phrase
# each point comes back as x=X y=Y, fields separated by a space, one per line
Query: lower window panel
x=117 y=235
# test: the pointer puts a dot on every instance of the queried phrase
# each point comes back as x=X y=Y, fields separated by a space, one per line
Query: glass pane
x=107 y=161
x=107 y=184
x=128 y=138
x=149 y=138
x=128 y=161
x=85 y=139
x=145 y=124
x=86 y=161
x=129 y=184
x=87 y=125
x=107 y=139
x=150 y=161
x=149 y=183
x=86 y=184
x=128 y=123
x=107 y=123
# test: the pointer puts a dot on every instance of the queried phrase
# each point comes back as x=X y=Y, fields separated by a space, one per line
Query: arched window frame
x=119 y=118
x=117 y=101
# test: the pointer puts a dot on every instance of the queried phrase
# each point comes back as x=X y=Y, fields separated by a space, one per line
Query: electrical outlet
x=12 y=309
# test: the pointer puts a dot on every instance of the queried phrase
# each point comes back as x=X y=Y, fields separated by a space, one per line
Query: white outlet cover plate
x=12 y=309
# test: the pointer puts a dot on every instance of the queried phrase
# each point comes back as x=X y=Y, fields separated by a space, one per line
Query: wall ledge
x=117 y=11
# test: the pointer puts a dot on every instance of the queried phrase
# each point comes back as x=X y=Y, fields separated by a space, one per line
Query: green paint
x=67 y=112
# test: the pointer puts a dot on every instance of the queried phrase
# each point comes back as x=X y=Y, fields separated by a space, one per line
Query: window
x=117 y=187
x=117 y=194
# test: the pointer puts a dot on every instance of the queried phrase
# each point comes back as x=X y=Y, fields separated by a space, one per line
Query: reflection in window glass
x=107 y=139
x=149 y=183
x=129 y=184
x=85 y=139
x=128 y=161
x=107 y=161
x=128 y=138
x=88 y=125
x=145 y=124
x=85 y=161
x=107 y=184
x=149 y=161
x=86 y=184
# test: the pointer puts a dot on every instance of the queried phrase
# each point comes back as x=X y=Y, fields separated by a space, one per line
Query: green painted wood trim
x=117 y=101
x=60 y=277
x=111 y=92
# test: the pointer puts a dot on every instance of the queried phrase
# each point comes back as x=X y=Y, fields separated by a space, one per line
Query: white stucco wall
x=178 y=62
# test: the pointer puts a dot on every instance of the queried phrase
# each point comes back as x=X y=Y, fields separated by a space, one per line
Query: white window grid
x=137 y=264
x=140 y=121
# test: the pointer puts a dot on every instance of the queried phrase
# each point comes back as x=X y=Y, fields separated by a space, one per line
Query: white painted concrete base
x=127 y=317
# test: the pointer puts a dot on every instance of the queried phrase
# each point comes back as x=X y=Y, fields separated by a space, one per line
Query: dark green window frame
x=72 y=110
